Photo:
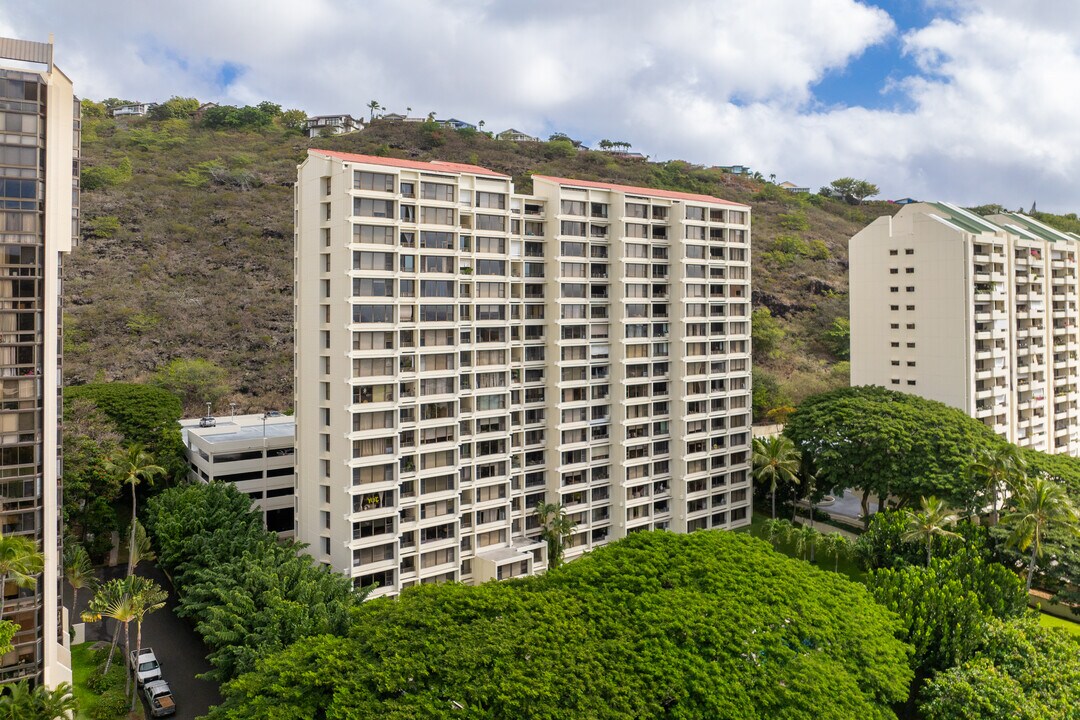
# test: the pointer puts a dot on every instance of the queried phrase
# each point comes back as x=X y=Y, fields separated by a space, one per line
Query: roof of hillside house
x=632 y=190
x=432 y=166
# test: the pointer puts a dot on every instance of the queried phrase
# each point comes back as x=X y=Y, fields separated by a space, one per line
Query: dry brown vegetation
x=192 y=257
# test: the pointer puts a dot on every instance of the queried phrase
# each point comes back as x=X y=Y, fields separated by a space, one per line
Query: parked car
x=146 y=665
x=160 y=698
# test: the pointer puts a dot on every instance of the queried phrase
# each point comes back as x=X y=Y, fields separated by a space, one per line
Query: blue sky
x=958 y=100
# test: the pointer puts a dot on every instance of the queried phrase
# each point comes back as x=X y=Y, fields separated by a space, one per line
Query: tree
x=766 y=333
x=886 y=443
x=945 y=608
x=852 y=191
x=1019 y=671
x=837 y=545
x=480 y=125
x=775 y=460
x=806 y=539
x=20 y=562
x=373 y=106
x=996 y=469
x=38 y=702
x=112 y=600
x=838 y=338
x=194 y=380
x=929 y=522
x=636 y=629
x=139 y=547
x=1042 y=504
x=133 y=465
x=78 y=571
x=777 y=531
x=605 y=144
x=146 y=597
x=556 y=527
x=294 y=119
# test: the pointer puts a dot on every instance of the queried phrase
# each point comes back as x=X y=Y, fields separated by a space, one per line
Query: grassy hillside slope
x=190 y=255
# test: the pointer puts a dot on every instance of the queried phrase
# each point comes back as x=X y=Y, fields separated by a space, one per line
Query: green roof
x=969 y=222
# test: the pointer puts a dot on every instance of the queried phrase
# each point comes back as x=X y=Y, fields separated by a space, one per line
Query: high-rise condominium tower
x=465 y=353
x=977 y=312
x=39 y=190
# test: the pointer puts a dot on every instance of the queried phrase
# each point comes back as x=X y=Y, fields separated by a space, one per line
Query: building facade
x=465 y=353
x=39 y=190
x=255 y=453
x=977 y=312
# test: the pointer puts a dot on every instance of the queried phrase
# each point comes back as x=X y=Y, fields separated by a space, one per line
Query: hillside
x=187 y=249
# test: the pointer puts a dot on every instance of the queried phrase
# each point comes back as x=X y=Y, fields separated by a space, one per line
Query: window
x=896 y=363
x=695 y=213
x=408 y=189
x=910 y=288
x=894 y=307
x=894 y=344
x=437 y=240
x=373 y=341
x=436 y=288
x=894 y=326
x=637 y=210
x=572 y=249
x=380 y=182
x=373 y=313
x=634 y=250
x=490 y=267
x=436 y=216
x=373 y=234
x=370 y=367
x=910 y=382
x=911 y=363
x=635 y=230
x=909 y=270
x=368 y=207
x=909 y=251
x=894 y=289
x=910 y=307
x=436 y=264
x=896 y=381
x=491 y=222
x=894 y=271
x=496 y=201
x=373 y=287
x=911 y=326
x=436 y=313
x=894 y=252
x=695 y=232
x=373 y=261
x=568 y=227
x=491 y=245
x=373 y=421
x=436 y=191
x=911 y=344
x=572 y=207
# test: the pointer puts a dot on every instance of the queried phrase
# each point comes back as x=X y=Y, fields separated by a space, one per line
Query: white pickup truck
x=160 y=698
x=146 y=665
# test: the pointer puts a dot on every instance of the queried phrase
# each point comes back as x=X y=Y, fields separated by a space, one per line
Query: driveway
x=175 y=642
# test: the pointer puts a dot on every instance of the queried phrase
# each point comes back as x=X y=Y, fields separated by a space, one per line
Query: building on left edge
x=39 y=206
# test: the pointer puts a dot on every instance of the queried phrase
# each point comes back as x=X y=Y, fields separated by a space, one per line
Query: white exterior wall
x=518 y=430
x=993 y=325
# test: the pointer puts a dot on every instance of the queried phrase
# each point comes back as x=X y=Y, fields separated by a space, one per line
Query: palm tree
x=777 y=531
x=836 y=545
x=112 y=600
x=134 y=465
x=995 y=470
x=775 y=460
x=480 y=125
x=556 y=528
x=805 y=539
x=807 y=478
x=78 y=571
x=929 y=522
x=146 y=597
x=373 y=106
x=1041 y=504
x=38 y=703
x=139 y=547
x=21 y=562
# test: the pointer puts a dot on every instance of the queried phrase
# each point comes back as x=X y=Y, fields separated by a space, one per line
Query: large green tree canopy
x=658 y=625
x=870 y=438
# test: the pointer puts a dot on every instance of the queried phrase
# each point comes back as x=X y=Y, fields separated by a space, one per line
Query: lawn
x=1056 y=622
x=82 y=665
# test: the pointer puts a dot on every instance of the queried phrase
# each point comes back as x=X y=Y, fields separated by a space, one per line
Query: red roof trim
x=433 y=166
x=648 y=192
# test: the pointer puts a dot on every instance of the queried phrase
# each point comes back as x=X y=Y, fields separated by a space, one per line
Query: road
x=175 y=642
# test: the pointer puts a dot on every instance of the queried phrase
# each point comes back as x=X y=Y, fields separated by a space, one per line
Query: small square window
x=895 y=344
x=911 y=326
x=893 y=252
x=894 y=288
x=896 y=362
x=894 y=307
x=910 y=288
x=909 y=270
x=911 y=345
x=910 y=307
x=910 y=382
x=909 y=251
x=895 y=381
x=893 y=271
x=911 y=363
x=894 y=326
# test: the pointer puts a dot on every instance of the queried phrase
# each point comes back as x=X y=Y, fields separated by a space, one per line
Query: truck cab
x=160 y=699
x=146 y=665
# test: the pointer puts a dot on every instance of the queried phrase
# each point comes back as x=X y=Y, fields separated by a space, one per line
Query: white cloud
x=987 y=117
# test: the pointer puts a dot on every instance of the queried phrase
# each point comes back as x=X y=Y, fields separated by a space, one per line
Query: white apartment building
x=39 y=193
x=255 y=453
x=465 y=353
x=977 y=312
